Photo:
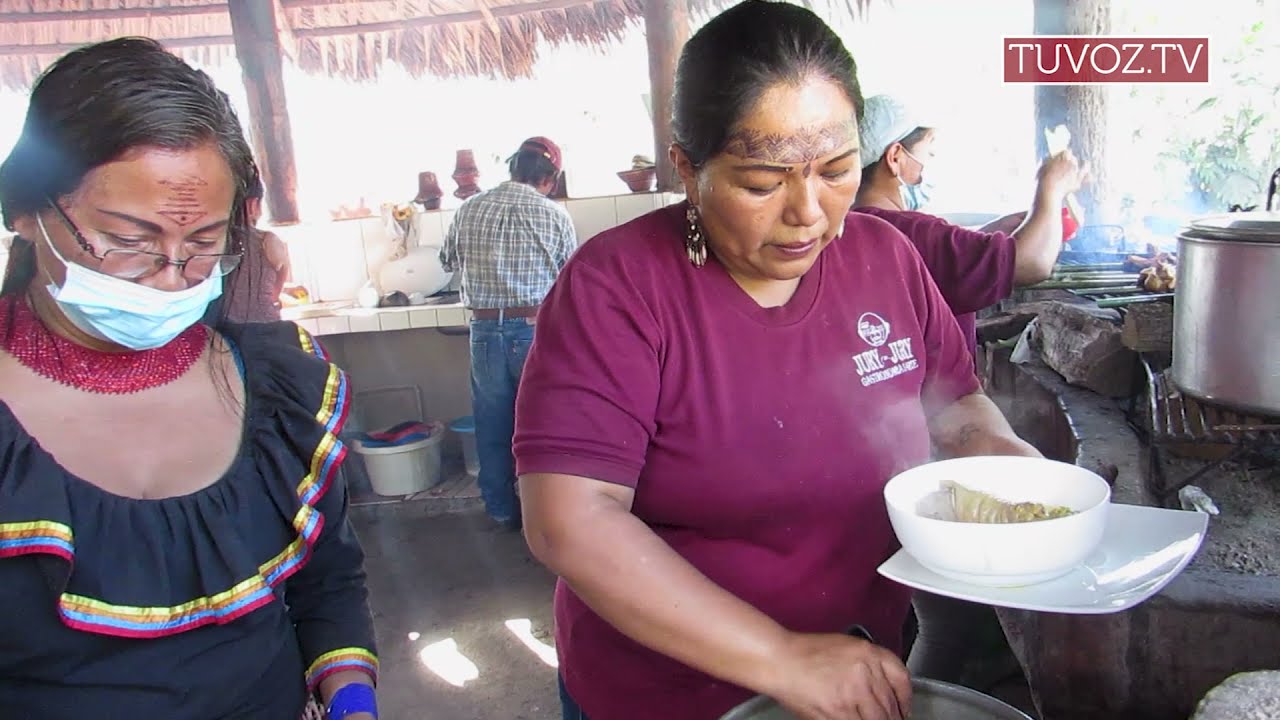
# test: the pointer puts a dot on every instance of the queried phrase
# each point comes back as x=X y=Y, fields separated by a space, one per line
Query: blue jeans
x=569 y=709
x=498 y=352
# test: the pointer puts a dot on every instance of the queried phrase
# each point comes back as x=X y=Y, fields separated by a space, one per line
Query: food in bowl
x=1000 y=554
x=957 y=503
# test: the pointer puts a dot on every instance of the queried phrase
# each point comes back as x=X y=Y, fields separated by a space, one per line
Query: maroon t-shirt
x=758 y=440
x=973 y=270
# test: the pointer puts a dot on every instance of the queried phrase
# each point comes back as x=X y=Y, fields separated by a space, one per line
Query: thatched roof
x=350 y=39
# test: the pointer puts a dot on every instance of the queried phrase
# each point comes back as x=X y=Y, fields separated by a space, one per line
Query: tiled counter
x=341 y=318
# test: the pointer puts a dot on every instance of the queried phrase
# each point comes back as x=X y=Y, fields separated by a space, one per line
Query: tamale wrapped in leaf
x=979 y=507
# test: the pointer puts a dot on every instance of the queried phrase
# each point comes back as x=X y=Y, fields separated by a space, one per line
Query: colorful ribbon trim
x=84 y=613
x=351 y=658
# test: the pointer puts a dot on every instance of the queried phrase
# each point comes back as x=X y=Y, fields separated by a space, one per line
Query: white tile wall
x=333 y=260
x=294 y=237
x=431 y=229
x=592 y=216
x=630 y=207
x=337 y=259
x=380 y=246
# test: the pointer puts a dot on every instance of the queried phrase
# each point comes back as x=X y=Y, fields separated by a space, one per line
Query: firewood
x=1148 y=327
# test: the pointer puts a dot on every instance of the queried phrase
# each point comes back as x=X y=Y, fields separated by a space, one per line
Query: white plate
x=1142 y=549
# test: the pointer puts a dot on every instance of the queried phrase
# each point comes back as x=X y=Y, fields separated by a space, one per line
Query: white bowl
x=1001 y=555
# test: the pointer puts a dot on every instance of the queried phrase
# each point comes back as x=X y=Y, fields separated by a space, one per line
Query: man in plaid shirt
x=509 y=244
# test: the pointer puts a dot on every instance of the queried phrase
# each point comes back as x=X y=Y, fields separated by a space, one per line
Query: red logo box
x=1097 y=59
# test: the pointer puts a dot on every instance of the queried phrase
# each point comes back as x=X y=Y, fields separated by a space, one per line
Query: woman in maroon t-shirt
x=719 y=391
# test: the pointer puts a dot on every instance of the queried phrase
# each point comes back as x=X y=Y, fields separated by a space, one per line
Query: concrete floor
x=439 y=570
x=438 y=574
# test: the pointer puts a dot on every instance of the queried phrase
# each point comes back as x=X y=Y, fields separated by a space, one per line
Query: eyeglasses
x=130 y=264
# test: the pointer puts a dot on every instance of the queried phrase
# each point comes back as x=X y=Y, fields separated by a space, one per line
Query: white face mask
x=127 y=313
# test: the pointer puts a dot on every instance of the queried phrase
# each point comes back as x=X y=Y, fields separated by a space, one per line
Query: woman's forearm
x=635 y=581
x=1038 y=240
x=973 y=425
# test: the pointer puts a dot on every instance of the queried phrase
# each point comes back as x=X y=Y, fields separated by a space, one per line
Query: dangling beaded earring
x=695 y=245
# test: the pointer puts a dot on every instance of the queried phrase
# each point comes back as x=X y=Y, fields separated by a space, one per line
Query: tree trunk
x=257 y=38
x=1082 y=108
x=666 y=28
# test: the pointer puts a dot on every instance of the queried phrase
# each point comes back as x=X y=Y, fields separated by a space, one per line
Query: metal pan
x=931 y=700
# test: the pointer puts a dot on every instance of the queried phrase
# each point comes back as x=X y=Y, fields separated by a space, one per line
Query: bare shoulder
x=276 y=250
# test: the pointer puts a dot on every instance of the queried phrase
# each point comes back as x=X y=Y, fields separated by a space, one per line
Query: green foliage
x=1229 y=142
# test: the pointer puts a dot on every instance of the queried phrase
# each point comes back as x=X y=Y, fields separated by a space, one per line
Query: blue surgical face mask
x=127 y=313
x=914 y=196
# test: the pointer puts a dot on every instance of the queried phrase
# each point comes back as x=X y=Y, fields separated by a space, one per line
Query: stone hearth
x=1219 y=617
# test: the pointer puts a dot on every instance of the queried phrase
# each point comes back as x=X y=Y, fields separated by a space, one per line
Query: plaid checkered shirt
x=509 y=244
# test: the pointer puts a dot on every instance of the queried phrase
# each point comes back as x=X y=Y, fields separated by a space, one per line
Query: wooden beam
x=257 y=40
x=166 y=11
x=666 y=28
x=500 y=11
x=65 y=47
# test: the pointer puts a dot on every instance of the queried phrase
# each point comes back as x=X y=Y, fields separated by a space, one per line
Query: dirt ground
x=1245 y=537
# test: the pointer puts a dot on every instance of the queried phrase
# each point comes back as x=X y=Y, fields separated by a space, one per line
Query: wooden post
x=257 y=40
x=1082 y=108
x=666 y=28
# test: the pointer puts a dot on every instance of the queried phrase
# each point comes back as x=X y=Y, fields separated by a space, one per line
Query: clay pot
x=465 y=173
x=429 y=192
x=639 y=179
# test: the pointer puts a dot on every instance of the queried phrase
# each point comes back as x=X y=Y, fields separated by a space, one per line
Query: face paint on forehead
x=803 y=146
x=182 y=202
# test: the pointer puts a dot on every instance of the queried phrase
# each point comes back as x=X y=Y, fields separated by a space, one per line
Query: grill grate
x=1173 y=417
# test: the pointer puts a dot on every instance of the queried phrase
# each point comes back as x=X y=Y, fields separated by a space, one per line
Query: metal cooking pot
x=931 y=700
x=1226 y=334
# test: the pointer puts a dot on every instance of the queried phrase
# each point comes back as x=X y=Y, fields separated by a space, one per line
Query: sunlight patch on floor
x=444 y=659
x=522 y=628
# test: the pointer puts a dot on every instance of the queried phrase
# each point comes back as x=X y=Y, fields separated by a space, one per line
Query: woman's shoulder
x=283 y=364
x=875 y=239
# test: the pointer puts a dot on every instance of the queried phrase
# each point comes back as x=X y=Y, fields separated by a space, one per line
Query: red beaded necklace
x=46 y=353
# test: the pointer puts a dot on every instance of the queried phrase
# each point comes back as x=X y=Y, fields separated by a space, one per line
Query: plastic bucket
x=403 y=469
x=465 y=428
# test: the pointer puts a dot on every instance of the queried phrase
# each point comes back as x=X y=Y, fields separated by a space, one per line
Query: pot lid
x=1240 y=227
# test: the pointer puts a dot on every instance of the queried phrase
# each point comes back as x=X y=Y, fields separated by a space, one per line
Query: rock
x=1243 y=696
x=1083 y=344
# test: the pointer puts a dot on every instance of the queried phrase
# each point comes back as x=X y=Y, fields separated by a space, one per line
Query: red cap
x=548 y=149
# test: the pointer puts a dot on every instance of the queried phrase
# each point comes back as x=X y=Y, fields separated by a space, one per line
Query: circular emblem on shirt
x=873 y=328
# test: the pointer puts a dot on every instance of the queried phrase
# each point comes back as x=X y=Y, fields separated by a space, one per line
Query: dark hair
x=531 y=167
x=254 y=189
x=739 y=54
x=99 y=101
x=909 y=142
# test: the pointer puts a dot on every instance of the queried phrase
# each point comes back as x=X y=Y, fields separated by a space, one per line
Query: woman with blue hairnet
x=974 y=269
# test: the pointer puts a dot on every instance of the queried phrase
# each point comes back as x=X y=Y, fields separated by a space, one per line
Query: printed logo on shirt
x=882 y=362
x=873 y=328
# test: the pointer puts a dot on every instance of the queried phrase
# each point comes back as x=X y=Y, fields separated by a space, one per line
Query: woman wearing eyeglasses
x=172 y=541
